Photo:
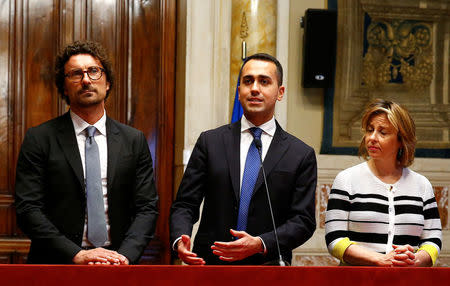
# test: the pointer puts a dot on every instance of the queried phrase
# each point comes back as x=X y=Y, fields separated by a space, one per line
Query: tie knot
x=256 y=132
x=90 y=131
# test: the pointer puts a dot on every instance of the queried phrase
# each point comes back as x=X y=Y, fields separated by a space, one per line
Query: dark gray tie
x=96 y=228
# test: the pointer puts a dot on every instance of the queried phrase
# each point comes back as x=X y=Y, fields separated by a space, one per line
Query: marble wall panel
x=443 y=261
x=323 y=191
x=441 y=194
x=314 y=260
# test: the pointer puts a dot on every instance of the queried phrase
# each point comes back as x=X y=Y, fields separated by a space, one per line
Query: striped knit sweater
x=364 y=210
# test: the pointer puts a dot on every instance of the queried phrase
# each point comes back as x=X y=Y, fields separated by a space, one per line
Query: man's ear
x=280 y=93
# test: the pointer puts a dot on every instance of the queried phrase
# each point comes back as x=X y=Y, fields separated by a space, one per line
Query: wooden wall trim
x=14 y=245
x=167 y=124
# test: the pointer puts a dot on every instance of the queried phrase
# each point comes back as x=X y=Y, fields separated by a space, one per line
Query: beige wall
x=305 y=106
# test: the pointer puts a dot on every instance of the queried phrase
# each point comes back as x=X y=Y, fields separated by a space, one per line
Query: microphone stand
x=280 y=262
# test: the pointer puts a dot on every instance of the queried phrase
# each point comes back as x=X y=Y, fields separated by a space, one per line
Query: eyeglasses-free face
x=381 y=139
x=76 y=75
x=259 y=90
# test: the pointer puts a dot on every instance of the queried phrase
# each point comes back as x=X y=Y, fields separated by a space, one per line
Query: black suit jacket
x=213 y=173
x=50 y=191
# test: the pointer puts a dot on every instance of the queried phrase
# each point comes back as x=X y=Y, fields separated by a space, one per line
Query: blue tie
x=251 y=170
x=96 y=218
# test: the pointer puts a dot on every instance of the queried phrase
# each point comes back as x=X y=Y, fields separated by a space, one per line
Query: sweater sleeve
x=336 y=221
x=431 y=237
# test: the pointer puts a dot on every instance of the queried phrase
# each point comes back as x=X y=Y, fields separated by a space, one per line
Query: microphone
x=280 y=262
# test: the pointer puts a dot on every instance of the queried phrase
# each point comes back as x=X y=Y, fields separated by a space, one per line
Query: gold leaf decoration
x=399 y=51
x=244 y=27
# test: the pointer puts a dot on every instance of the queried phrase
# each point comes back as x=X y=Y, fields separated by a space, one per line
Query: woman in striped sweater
x=380 y=212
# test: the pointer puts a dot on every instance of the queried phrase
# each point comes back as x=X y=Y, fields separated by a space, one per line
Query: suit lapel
x=232 y=143
x=276 y=151
x=114 y=142
x=68 y=142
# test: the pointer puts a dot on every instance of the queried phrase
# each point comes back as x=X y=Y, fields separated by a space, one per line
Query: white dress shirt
x=100 y=137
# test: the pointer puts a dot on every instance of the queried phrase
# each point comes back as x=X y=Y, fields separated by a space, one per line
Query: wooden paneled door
x=140 y=38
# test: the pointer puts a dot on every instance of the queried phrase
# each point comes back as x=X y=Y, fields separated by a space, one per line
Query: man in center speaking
x=224 y=170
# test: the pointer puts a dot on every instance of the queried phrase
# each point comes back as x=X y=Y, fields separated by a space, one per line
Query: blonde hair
x=402 y=121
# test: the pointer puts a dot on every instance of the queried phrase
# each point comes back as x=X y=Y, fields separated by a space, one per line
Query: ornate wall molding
x=397 y=50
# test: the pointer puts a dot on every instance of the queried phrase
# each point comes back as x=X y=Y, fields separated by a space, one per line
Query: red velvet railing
x=36 y=275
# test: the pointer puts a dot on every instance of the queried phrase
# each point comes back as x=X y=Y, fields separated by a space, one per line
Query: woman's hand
x=400 y=256
x=403 y=255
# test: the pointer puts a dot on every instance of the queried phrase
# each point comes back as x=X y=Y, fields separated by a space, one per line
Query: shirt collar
x=80 y=125
x=268 y=127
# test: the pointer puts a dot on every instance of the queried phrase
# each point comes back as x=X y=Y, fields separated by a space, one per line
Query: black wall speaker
x=319 y=47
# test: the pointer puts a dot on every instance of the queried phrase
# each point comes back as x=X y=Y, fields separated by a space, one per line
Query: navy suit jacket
x=50 y=191
x=213 y=174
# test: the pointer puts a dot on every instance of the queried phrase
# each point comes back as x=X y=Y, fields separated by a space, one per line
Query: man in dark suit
x=85 y=192
x=236 y=226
